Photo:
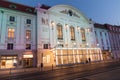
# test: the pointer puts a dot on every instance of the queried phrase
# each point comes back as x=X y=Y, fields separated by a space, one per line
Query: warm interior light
x=27 y=56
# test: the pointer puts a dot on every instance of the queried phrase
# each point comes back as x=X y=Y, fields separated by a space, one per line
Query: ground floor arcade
x=67 y=56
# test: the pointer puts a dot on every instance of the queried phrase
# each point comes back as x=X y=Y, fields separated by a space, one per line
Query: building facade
x=53 y=36
x=65 y=36
x=103 y=41
x=17 y=35
x=114 y=37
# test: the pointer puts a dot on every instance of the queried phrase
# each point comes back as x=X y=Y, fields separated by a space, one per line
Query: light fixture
x=97 y=44
x=66 y=25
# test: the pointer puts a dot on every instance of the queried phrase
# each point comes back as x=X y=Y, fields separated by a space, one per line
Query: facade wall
x=19 y=40
x=114 y=32
x=103 y=41
x=63 y=46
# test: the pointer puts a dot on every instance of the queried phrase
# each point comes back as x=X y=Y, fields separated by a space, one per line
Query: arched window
x=72 y=33
x=59 y=31
x=83 y=34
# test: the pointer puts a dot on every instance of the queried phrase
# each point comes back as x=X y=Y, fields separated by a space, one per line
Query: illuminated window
x=28 y=34
x=83 y=34
x=11 y=33
x=59 y=31
x=72 y=32
x=12 y=18
x=28 y=21
x=28 y=46
x=10 y=46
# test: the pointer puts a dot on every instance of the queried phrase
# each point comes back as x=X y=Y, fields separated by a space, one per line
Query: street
x=97 y=71
x=109 y=75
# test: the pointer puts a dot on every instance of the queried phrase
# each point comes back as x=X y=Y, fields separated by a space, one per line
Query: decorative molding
x=67 y=12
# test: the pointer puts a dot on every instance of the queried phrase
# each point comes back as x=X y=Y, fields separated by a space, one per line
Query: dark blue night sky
x=100 y=11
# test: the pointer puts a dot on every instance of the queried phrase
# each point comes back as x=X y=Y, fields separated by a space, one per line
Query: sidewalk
x=31 y=70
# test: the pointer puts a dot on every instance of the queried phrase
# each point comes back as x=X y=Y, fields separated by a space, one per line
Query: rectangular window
x=28 y=34
x=45 y=46
x=28 y=46
x=11 y=33
x=28 y=21
x=12 y=18
x=10 y=46
x=72 y=32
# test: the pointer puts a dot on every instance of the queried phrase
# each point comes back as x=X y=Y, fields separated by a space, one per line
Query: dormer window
x=70 y=13
x=29 y=10
x=12 y=6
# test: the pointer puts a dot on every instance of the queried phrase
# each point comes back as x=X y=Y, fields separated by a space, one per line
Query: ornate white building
x=65 y=36
x=17 y=35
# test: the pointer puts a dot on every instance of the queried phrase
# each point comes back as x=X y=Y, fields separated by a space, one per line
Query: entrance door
x=28 y=62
